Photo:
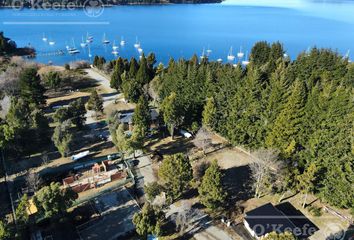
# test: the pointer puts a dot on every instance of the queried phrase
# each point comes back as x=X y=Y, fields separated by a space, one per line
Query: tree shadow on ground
x=177 y=146
x=57 y=104
x=237 y=183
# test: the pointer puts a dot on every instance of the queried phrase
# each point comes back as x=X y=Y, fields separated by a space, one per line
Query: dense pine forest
x=303 y=108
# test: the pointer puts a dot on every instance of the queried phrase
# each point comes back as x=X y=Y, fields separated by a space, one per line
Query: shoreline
x=68 y=5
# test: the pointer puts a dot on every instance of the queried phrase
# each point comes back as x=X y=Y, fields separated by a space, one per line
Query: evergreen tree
x=132 y=89
x=95 y=102
x=53 y=79
x=170 y=112
x=31 y=89
x=133 y=67
x=142 y=117
x=52 y=200
x=143 y=75
x=62 y=137
x=120 y=139
x=22 y=210
x=148 y=221
x=287 y=127
x=24 y=128
x=116 y=79
x=260 y=53
x=306 y=181
x=211 y=192
x=176 y=173
x=4 y=231
x=136 y=141
x=77 y=112
x=151 y=61
x=275 y=94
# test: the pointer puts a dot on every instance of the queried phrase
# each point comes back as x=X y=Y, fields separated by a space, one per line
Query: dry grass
x=47 y=69
x=67 y=97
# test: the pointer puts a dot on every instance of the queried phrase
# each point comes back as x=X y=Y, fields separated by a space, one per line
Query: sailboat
x=51 y=43
x=73 y=50
x=208 y=51
x=245 y=62
x=44 y=38
x=230 y=56
x=122 y=42
x=89 y=39
x=105 y=41
x=219 y=60
x=347 y=56
x=240 y=54
x=114 y=47
x=83 y=43
x=137 y=44
x=203 y=56
x=89 y=51
x=140 y=50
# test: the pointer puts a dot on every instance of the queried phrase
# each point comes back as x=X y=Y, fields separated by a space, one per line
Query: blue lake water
x=182 y=30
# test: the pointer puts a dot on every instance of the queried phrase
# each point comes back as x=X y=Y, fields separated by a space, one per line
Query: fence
x=104 y=189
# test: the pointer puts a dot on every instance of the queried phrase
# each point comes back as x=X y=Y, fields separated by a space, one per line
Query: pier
x=53 y=53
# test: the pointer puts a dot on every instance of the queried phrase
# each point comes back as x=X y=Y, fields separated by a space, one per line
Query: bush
x=199 y=169
x=79 y=65
x=152 y=190
x=315 y=211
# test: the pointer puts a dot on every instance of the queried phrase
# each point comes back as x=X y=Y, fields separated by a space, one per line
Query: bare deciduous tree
x=202 y=139
x=45 y=158
x=182 y=219
x=33 y=181
x=264 y=170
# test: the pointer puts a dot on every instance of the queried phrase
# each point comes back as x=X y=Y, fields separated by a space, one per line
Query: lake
x=182 y=30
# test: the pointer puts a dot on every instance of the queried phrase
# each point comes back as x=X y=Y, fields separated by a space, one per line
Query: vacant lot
x=117 y=210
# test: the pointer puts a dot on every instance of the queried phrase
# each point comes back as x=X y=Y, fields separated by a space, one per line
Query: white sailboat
x=89 y=51
x=83 y=43
x=203 y=56
x=51 y=43
x=209 y=51
x=240 y=54
x=115 y=52
x=219 y=60
x=114 y=47
x=44 y=38
x=347 y=56
x=89 y=38
x=230 y=56
x=140 y=50
x=122 y=42
x=105 y=40
x=245 y=62
x=73 y=49
x=137 y=44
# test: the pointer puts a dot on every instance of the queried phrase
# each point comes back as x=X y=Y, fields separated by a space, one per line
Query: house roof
x=127 y=117
x=266 y=219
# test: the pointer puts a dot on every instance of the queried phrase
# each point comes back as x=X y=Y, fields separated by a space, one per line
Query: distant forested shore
x=8 y=47
x=81 y=3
